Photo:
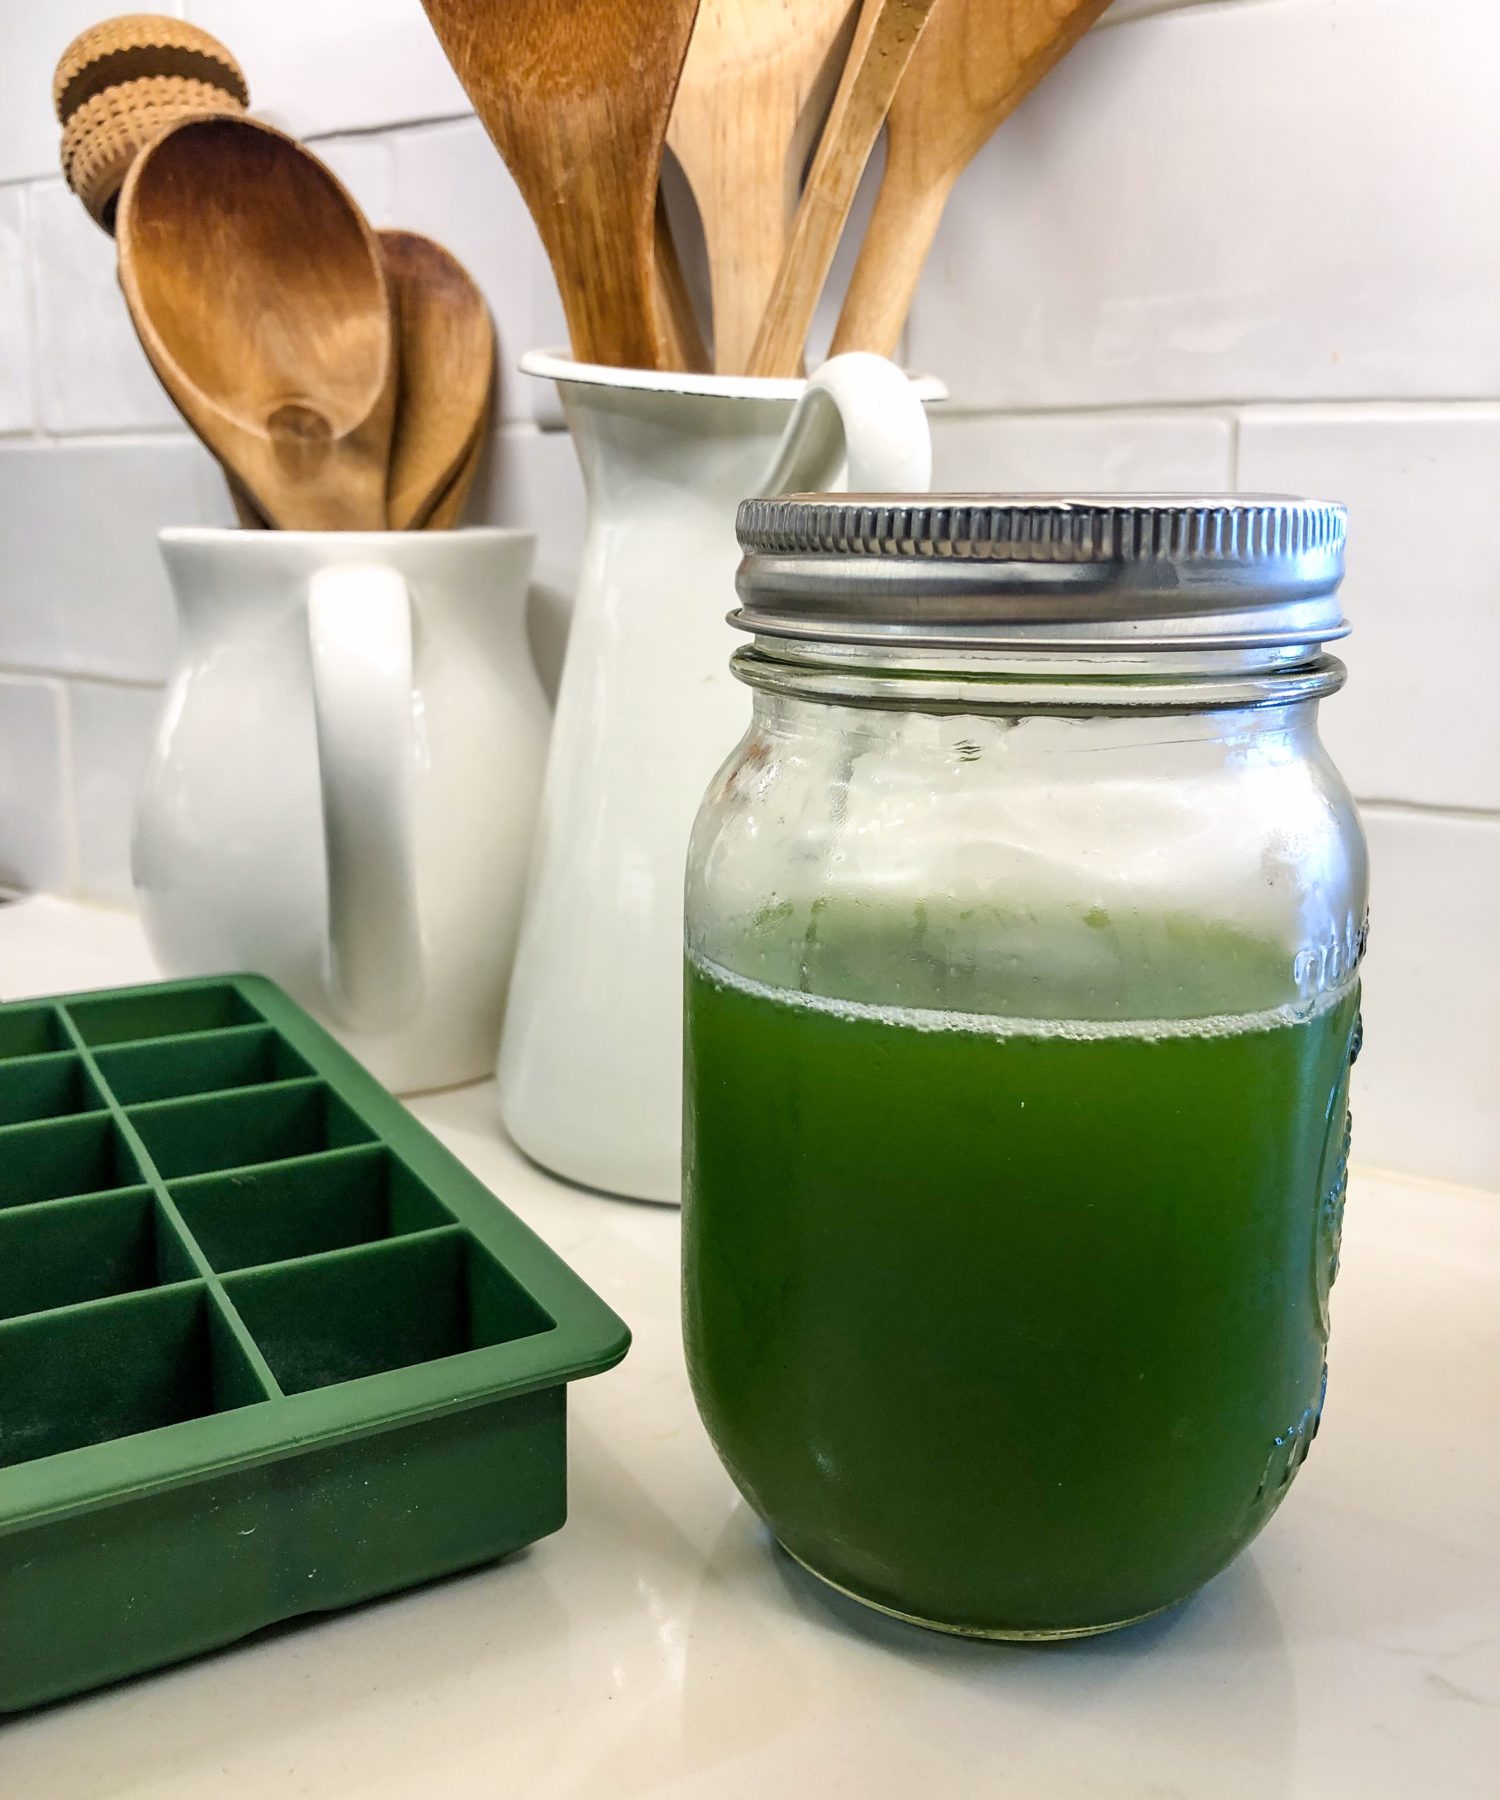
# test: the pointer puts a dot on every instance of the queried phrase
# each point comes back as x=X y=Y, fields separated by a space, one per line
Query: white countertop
x=658 y=1646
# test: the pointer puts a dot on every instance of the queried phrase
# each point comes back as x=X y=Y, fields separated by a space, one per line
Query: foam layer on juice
x=936 y=1019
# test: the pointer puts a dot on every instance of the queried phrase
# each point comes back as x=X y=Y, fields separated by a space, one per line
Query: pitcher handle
x=861 y=408
x=360 y=640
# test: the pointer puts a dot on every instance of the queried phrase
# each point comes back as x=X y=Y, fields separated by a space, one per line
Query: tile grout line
x=1431 y=809
x=67 y=762
x=1479 y=406
x=33 y=311
x=124 y=684
x=1171 y=6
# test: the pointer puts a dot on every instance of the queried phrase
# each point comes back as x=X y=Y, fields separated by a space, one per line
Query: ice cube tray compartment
x=312 y=1204
x=51 y=1159
x=63 y=1252
x=201 y=1063
x=91 y=1374
x=234 y=1130
x=252 y=1310
x=31 y=1031
x=170 y=1010
x=46 y=1087
x=360 y=1312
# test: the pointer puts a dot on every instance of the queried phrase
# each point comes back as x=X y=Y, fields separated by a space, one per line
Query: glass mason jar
x=1023 y=933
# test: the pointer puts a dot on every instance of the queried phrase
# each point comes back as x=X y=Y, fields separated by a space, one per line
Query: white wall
x=1233 y=244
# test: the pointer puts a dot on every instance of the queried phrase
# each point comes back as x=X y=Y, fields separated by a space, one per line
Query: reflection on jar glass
x=1023 y=931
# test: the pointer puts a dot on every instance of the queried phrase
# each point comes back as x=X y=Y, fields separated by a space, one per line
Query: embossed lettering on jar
x=1023 y=935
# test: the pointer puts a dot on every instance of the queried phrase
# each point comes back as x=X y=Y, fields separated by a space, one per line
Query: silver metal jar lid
x=1042 y=571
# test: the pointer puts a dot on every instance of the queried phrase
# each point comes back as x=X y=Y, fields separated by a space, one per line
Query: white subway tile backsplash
x=317 y=66
x=366 y=168
x=831 y=300
x=1204 y=254
x=451 y=185
x=1426 y=1081
x=93 y=374
x=35 y=834
x=1223 y=203
x=83 y=589
x=111 y=732
x=1079 y=452
x=35 y=36
x=531 y=478
x=1423 y=590
x=15 y=314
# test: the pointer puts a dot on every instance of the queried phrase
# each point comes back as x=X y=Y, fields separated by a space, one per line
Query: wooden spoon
x=978 y=59
x=260 y=296
x=246 y=512
x=446 y=359
x=576 y=95
x=887 y=34
x=755 y=88
x=450 y=503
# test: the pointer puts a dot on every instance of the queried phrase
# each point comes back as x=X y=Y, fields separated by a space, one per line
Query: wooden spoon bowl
x=447 y=362
x=260 y=295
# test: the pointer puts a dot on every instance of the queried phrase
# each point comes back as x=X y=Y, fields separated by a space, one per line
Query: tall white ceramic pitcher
x=342 y=791
x=591 y=1057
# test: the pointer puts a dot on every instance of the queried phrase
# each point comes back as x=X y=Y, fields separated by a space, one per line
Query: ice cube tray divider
x=167 y=1213
x=267 y=1296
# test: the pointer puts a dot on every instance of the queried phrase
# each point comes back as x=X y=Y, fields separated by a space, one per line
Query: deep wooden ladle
x=260 y=295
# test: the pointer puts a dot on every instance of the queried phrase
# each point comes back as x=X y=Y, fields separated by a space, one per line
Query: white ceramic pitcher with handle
x=591 y=1057
x=342 y=790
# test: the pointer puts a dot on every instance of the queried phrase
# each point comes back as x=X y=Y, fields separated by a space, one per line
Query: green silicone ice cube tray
x=266 y=1348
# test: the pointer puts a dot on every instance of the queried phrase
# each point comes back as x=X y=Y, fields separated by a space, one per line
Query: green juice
x=1011 y=1327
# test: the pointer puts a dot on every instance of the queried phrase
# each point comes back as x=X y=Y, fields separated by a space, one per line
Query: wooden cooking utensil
x=679 y=321
x=884 y=39
x=260 y=296
x=246 y=513
x=976 y=62
x=755 y=88
x=445 y=361
x=450 y=503
x=576 y=95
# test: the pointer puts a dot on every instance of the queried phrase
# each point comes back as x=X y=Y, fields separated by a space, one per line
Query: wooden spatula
x=754 y=92
x=978 y=59
x=884 y=39
x=446 y=359
x=576 y=95
x=259 y=294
